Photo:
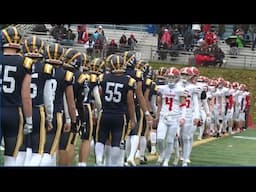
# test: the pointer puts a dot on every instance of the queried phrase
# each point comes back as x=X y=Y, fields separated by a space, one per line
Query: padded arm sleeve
x=48 y=99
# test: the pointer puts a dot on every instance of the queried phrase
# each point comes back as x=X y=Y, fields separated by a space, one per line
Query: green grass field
x=234 y=150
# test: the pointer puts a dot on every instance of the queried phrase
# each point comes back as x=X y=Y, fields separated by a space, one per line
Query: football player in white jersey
x=229 y=106
x=171 y=114
x=203 y=104
x=212 y=84
x=236 y=106
x=192 y=115
x=220 y=105
x=242 y=101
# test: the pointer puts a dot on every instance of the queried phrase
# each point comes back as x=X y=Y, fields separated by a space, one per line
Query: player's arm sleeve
x=69 y=77
x=196 y=105
x=97 y=98
x=203 y=98
x=79 y=105
x=48 y=99
x=153 y=103
x=66 y=112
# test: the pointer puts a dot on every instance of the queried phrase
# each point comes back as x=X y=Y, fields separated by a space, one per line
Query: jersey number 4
x=113 y=93
x=168 y=101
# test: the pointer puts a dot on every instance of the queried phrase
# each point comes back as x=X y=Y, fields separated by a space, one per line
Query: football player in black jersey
x=140 y=107
x=62 y=81
x=33 y=48
x=15 y=95
x=73 y=61
x=91 y=106
x=116 y=90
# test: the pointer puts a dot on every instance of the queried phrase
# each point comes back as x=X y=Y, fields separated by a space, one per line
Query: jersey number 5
x=6 y=78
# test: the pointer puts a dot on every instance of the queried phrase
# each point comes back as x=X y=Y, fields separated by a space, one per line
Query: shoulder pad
x=155 y=87
x=197 y=90
x=186 y=93
x=28 y=62
x=101 y=77
x=68 y=76
x=48 y=68
x=148 y=81
x=138 y=74
x=82 y=77
x=93 y=78
x=131 y=82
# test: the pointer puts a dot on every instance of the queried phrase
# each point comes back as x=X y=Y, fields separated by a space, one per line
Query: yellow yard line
x=203 y=141
x=196 y=143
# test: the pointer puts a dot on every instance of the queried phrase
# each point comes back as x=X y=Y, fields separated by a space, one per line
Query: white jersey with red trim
x=192 y=100
x=170 y=99
x=220 y=98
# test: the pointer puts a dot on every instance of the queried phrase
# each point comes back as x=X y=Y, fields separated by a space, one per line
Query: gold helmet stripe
x=56 y=46
x=48 y=52
x=7 y=36
x=94 y=64
x=26 y=45
x=76 y=55
x=33 y=43
x=62 y=53
x=41 y=47
x=125 y=56
x=118 y=62
x=15 y=35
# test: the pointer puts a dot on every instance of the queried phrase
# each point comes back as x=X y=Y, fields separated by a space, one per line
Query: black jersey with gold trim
x=61 y=79
x=93 y=80
x=40 y=73
x=114 y=92
x=81 y=79
x=146 y=84
x=160 y=81
x=153 y=90
x=13 y=69
x=135 y=74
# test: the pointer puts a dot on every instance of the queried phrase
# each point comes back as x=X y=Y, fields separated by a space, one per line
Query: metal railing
x=231 y=61
x=131 y=27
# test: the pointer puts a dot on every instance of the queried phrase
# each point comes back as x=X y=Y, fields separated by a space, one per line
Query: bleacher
x=147 y=46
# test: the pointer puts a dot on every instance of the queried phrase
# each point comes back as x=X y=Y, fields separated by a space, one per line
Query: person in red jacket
x=82 y=34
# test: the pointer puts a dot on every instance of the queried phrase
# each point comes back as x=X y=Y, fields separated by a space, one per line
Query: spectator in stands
x=210 y=38
x=112 y=47
x=68 y=38
x=40 y=28
x=221 y=31
x=123 y=46
x=240 y=36
x=123 y=40
x=160 y=34
x=58 y=32
x=188 y=40
x=89 y=45
x=113 y=43
x=100 y=41
x=206 y=28
x=82 y=34
x=100 y=30
x=132 y=41
x=166 y=39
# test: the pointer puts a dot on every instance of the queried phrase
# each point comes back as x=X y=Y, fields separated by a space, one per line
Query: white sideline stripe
x=244 y=137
